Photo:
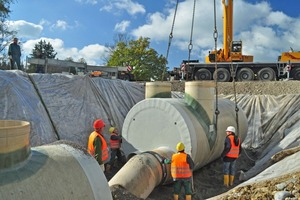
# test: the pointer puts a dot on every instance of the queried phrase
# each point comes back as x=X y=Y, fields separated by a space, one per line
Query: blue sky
x=83 y=28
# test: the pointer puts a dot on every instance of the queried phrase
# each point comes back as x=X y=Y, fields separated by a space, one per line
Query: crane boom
x=229 y=63
x=232 y=50
x=227 y=26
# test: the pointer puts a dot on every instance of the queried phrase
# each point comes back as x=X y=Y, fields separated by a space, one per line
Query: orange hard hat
x=99 y=123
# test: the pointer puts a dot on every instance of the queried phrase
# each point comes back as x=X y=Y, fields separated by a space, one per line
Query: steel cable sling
x=235 y=99
x=170 y=39
x=190 y=46
x=215 y=35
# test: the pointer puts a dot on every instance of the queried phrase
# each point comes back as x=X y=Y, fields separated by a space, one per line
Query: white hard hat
x=231 y=129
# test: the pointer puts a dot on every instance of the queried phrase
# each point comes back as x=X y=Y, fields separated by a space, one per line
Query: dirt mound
x=253 y=88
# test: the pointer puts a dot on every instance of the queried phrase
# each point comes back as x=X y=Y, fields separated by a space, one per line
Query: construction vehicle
x=291 y=56
x=229 y=63
x=77 y=68
x=95 y=74
x=232 y=50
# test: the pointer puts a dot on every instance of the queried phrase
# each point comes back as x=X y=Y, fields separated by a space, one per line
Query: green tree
x=43 y=50
x=6 y=34
x=5 y=8
x=120 y=37
x=69 y=59
x=82 y=60
x=146 y=63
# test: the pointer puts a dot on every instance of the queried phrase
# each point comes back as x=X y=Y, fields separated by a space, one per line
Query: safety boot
x=226 y=180
x=176 y=196
x=231 y=179
x=188 y=197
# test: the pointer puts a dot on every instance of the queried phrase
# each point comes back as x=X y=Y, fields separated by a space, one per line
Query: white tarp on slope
x=274 y=125
x=63 y=106
x=19 y=101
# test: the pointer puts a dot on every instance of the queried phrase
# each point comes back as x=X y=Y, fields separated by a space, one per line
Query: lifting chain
x=190 y=46
x=215 y=35
x=170 y=38
x=235 y=99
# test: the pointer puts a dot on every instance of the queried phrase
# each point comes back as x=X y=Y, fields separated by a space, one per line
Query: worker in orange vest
x=182 y=172
x=232 y=150
x=115 y=148
x=97 y=145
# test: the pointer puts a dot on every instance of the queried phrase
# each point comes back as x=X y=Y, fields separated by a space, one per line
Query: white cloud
x=265 y=33
x=26 y=29
x=131 y=7
x=122 y=26
x=93 y=2
x=44 y=22
x=60 y=24
x=93 y=53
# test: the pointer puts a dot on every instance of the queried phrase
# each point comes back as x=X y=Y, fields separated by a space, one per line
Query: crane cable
x=170 y=39
x=190 y=46
x=235 y=99
x=237 y=108
x=215 y=35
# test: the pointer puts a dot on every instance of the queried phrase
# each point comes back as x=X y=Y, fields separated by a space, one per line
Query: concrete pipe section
x=56 y=171
x=158 y=90
x=160 y=123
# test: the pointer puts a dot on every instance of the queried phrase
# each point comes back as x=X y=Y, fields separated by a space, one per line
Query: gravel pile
x=253 y=88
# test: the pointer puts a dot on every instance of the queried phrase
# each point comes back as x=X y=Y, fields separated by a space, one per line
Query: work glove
x=166 y=161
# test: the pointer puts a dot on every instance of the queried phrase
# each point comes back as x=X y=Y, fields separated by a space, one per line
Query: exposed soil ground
x=253 y=88
x=208 y=181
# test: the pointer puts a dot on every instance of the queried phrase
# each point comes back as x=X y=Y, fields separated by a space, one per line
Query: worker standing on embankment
x=97 y=145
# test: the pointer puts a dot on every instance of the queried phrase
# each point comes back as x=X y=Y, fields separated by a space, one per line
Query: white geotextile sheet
x=274 y=125
x=288 y=165
x=64 y=107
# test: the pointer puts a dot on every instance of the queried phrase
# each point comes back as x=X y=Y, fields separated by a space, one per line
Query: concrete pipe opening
x=61 y=170
x=14 y=142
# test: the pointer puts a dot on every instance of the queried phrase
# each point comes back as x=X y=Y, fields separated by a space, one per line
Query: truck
x=229 y=63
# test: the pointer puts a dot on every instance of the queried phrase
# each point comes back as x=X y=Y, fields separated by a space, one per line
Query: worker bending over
x=97 y=145
x=232 y=150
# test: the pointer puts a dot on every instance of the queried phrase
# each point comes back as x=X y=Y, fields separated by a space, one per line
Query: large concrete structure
x=154 y=126
x=55 y=171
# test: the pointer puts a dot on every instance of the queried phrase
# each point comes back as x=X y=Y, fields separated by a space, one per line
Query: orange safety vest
x=179 y=166
x=91 y=148
x=114 y=144
x=235 y=149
